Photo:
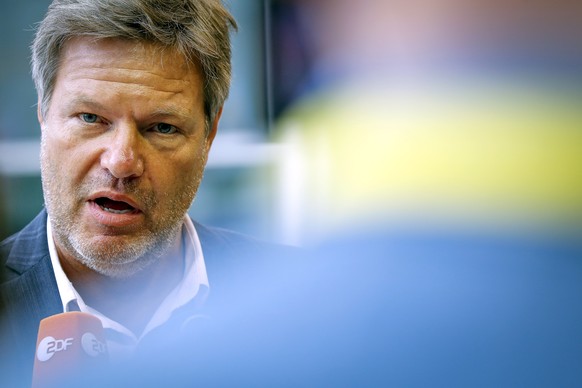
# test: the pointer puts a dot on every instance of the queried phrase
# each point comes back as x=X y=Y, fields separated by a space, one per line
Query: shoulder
x=225 y=239
x=225 y=244
x=229 y=255
x=25 y=248
x=34 y=231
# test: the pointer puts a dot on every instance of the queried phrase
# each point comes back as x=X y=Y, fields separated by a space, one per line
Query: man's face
x=123 y=152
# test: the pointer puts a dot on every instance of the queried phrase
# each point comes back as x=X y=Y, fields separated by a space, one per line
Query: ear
x=39 y=116
x=213 y=129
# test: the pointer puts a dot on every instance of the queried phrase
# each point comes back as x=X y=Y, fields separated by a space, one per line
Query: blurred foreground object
x=483 y=154
x=431 y=115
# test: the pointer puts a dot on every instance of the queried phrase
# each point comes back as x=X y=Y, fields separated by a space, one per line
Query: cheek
x=67 y=158
x=179 y=173
x=57 y=144
x=174 y=173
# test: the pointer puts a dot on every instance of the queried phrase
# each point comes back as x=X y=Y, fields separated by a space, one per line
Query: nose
x=123 y=156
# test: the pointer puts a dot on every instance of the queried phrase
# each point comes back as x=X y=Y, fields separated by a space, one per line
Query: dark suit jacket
x=29 y=291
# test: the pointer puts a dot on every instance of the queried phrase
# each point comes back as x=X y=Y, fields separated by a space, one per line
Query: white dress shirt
x=122 y=344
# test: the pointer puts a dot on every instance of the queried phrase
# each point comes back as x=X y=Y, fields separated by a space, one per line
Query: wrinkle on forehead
x=129 y=62
x=129 y=54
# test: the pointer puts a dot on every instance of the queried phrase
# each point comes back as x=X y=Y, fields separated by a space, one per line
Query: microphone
x=69 y=346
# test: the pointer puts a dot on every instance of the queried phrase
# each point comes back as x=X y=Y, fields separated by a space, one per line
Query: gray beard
x=118 y=260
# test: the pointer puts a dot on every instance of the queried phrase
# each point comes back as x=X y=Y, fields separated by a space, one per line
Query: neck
x=133 y=300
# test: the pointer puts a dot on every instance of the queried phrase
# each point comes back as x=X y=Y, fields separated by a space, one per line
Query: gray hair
x=197 y=29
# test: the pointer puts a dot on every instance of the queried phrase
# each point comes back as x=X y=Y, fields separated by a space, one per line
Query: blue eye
x=89 y=118
x=165 y=129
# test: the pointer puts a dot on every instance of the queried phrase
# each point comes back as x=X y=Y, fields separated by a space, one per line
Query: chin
x=119 y=258
x=121 y=271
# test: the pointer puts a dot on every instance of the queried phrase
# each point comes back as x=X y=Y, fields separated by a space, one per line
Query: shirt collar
x=67 y=292
x=194 y=280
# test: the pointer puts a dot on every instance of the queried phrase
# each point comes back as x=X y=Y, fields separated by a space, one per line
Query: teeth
x=115 y=211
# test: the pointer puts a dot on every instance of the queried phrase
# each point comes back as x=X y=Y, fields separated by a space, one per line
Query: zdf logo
x=92 y=346
x=89 y=343
x=49 y=346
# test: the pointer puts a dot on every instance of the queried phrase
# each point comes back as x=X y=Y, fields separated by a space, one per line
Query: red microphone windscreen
x=68 y=346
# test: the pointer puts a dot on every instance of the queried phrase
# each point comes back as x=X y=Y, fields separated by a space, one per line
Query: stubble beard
x=111 y=256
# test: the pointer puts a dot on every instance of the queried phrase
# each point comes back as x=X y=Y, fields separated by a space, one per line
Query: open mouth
x=115 y=207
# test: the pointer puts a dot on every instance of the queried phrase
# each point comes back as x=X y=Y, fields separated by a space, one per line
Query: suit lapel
x=30 y=298
x=31 y=293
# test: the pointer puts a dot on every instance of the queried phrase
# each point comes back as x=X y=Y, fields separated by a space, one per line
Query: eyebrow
x=179 y=113
x=82 y=100
x=159 y=113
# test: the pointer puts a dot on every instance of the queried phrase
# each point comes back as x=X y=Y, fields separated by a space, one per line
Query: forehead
x=127 y=76
x=134 y=60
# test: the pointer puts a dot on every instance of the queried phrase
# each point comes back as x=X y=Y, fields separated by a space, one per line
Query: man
x=129 y=99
